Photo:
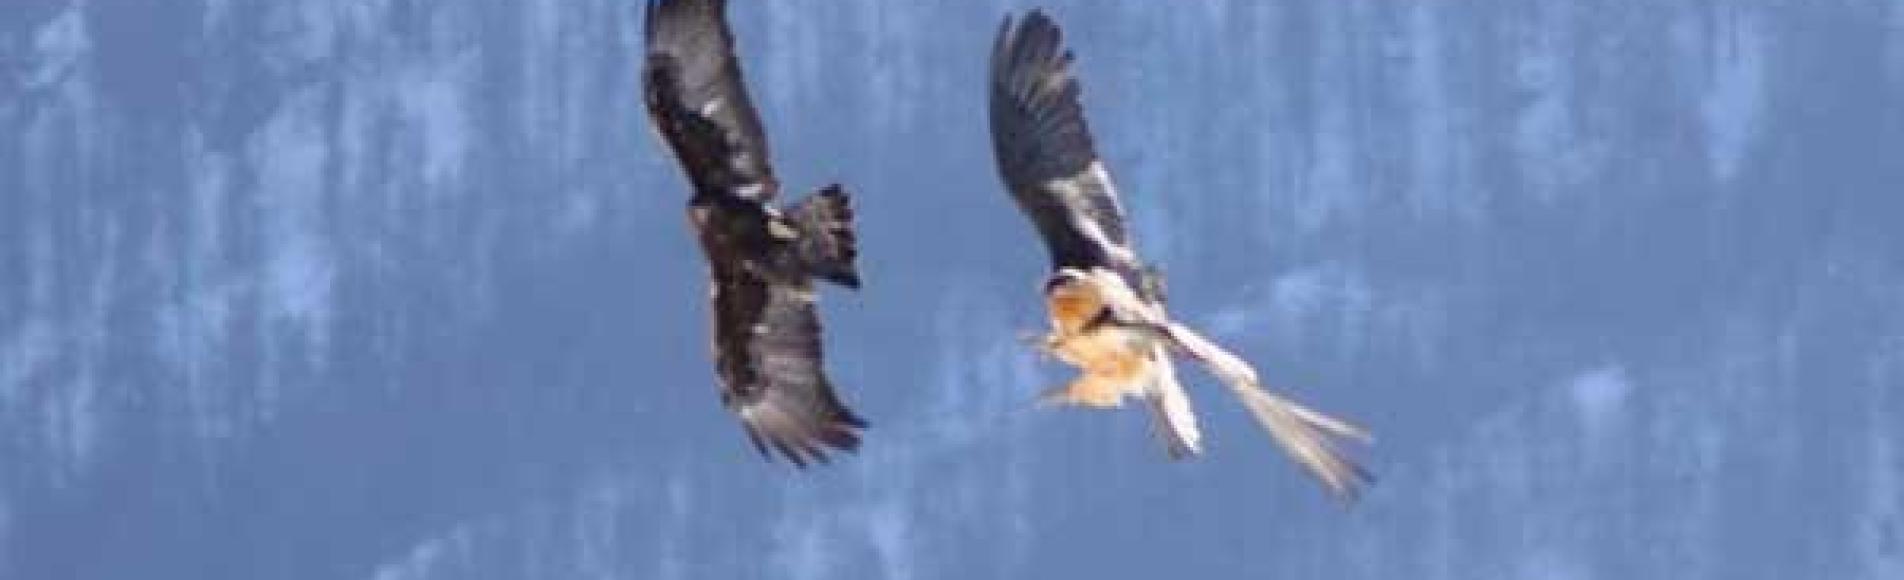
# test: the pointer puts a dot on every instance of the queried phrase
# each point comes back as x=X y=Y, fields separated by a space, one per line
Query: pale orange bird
x=1106 y=306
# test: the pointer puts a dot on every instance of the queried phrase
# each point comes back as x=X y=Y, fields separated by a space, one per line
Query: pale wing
x=1309 y=437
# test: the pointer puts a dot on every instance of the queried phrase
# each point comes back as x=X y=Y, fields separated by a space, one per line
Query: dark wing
x=692 y=86
x=767 y=351
x=1044 y=148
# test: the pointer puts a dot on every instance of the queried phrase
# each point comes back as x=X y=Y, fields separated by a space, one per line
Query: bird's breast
x=1111 y=352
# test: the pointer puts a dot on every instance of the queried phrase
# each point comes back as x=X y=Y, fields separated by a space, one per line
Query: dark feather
x=766 y=332
x=1044 y=147
x=694 y=93
x=768 y=354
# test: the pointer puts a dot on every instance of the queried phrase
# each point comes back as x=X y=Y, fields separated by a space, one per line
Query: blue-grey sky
x=403 y=290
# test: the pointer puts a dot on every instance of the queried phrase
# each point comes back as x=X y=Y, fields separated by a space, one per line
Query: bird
x=762 y=260
x=1106 y=306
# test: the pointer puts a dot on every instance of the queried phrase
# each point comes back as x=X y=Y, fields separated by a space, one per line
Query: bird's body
x=762 y=261
x=1106 y=306
x=1116 y=360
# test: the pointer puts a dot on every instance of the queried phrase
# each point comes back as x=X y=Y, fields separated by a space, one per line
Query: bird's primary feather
x=762 y=263
x=1045 y=152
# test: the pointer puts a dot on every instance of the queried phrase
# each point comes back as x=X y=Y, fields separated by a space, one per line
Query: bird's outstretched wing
x=692 y=86
x=766 y=333
x=767 y=351
x=1308 y=436
x=1045 y=152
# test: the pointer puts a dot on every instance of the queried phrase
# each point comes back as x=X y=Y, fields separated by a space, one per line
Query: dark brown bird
x=762 y=260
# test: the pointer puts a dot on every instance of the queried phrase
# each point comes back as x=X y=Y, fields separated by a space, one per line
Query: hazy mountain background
x=395 y=289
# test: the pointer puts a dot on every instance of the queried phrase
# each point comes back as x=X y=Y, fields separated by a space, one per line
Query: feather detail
x=1305 y=435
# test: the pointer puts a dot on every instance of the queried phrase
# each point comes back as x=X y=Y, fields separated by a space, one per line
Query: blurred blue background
x=394 y=289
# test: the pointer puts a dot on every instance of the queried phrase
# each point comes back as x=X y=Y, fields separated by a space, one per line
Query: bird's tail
x=1175 y=422
x=827 y=245
x=1309 y=437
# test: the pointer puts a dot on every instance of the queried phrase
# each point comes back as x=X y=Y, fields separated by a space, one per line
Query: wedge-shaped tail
x=1309 y=437
x=827 y=245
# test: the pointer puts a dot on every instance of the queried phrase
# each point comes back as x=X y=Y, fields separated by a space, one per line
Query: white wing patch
x=752 y=190
x=1123 y=300
x=781 y=231
x=1075 y=193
